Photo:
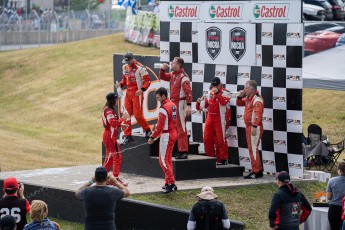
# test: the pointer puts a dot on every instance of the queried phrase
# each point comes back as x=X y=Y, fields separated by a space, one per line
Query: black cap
x=283 y=177
x=127 y=57
x=215 y=81
x=111 y=96
x=101 y=174
x=8 y=222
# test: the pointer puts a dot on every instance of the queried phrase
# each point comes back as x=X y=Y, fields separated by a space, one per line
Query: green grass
x=248 y=204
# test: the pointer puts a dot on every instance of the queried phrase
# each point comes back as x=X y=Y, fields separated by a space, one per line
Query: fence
x=51 y=28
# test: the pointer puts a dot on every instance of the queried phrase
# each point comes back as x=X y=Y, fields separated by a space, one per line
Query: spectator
x=156 y=8
x=166 y=131
x=14 y=203
x=208 y=212
x=100 y=200
x=289 y=208
x=8 y=223
x=335 y=193
x=343 y=213
x=39 y=214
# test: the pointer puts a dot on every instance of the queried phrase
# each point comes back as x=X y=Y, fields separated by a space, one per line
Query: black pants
x=334 y=217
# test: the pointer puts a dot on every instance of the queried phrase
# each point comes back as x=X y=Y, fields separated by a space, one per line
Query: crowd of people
x=289 y=207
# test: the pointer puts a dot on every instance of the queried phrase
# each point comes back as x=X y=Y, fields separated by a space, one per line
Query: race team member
x=166 y=130
x=181 y=95
x=214 y=131
x=14 y=203
x=254 y=109
x=289 y=207
x=227 y=117
x=137 y=80
x=111 y=123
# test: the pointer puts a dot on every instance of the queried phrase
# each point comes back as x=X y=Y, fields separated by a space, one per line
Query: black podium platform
x=142 y=159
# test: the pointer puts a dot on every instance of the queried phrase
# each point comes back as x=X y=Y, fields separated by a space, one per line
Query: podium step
x=140 y=158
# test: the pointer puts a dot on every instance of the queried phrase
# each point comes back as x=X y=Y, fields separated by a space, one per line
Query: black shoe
x=165 y=186
x=222 y=162
x=127 y=140
x=170 y=188
x=148 y=133
x=174 y=154
x=181 y=156
x=251 y=176
x=259 y=174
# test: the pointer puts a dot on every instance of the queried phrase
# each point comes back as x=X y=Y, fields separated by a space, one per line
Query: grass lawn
x=51 y=100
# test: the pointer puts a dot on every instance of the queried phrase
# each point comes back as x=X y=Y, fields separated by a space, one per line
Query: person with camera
x=14 y=203
x=100 y=200
x=253 y=113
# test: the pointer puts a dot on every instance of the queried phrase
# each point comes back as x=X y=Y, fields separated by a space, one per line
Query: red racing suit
x=254 y=109
x=215 y=125
x=135 y=77
x=113 y=153
x=166 y=129
x=181 y=95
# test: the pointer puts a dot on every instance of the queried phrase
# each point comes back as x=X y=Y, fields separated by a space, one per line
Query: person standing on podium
x=181 y=95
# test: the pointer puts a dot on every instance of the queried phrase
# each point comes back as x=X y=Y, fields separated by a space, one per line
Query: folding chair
x=315 y=146
x=334 y=153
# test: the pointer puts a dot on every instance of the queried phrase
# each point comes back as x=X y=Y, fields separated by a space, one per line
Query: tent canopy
x=325 y=70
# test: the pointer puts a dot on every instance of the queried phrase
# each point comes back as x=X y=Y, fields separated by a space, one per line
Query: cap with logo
x=11 y=183
x=127 y=57
x=215 y=81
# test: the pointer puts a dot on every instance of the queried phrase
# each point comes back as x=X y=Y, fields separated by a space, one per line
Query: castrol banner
x=231 y=11
x=225 y=11
x=271 y=11
x=180 y=11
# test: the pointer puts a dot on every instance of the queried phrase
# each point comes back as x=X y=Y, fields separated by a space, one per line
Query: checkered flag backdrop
x=278 y=72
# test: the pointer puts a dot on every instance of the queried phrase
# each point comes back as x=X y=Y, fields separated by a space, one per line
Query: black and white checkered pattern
x=279 y=52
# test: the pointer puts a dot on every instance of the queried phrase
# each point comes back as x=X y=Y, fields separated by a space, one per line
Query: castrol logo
x=225 y=11
x=271 y=11
x=184 y=11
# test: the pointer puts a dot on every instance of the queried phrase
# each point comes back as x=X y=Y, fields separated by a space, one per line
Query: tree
x=84 y=4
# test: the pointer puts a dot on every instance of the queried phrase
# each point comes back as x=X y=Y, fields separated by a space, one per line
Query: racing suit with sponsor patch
x=181 y=95
x=113 y=153
x=135 y=77
x=215 y=125
x=254 y=109
x=166 y=130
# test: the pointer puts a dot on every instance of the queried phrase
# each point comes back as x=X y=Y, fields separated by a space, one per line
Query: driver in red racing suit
x=253 y=112
x=111 y=123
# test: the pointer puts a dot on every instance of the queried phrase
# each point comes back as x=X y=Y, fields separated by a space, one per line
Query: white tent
x=325 y=70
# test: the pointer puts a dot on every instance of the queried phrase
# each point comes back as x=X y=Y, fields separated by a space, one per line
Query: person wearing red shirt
x=14 y=203
x=137 y=80
x=254 y=109
x=214 y=131
x=111 y=123
x=166 y=131
x=181 y=95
